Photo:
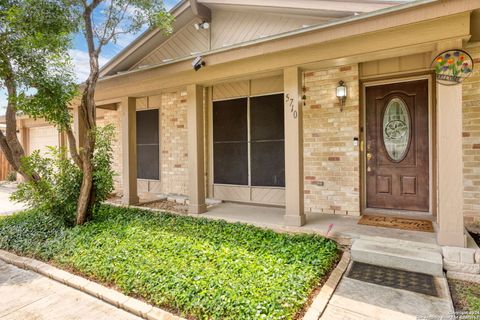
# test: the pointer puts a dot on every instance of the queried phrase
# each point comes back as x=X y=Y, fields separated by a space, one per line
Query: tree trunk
x=86 y=198
x=9 y=142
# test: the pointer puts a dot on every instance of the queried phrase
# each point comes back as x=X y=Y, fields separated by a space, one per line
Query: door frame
x=392 y=79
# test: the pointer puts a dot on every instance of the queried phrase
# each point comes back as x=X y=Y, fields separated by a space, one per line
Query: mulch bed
x=167 y=206
x=460 y=291
x=397 y=223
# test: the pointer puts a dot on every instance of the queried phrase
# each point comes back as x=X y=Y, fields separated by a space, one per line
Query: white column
x=129 y=150
x=450 y=166
x=196 y=170
x=294 y=184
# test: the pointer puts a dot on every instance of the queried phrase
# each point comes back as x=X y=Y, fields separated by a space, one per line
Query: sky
x=79 y=55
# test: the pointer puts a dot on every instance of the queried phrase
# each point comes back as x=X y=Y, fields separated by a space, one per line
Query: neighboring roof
x=329 y=10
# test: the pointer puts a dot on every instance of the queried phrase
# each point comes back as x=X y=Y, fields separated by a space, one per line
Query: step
x=398 y=256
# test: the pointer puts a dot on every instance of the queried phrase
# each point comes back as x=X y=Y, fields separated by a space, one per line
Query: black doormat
x=394 y=278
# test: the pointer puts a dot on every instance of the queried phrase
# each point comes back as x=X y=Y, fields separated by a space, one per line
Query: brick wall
x=471 y=141
x=330 y=157
x=113 y=117
x=173 y=143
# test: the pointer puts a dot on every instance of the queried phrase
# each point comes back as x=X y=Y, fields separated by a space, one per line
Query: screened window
x=148 y=158
x=230 y=142
x=265 y=159
x=267 y=141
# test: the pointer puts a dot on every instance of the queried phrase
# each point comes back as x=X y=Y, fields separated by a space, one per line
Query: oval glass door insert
x=396 y=129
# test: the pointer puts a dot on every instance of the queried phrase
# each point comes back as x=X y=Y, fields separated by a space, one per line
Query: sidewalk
x=27 y=295
x=6 y=205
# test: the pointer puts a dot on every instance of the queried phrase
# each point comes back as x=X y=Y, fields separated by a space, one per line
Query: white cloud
x=81 y=63
x=3 y=102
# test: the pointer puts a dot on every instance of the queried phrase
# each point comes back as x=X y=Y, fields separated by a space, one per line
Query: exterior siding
x=330 y=157
x=183 y=43
x=471 y=142
x=230 y=27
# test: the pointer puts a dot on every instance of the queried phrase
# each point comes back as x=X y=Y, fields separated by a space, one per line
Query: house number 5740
x=290 y=103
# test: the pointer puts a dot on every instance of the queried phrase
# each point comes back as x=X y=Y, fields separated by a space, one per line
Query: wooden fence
x=4 y=167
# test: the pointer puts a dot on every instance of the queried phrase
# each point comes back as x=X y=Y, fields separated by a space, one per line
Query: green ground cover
x=465 y=296
x=200 y=268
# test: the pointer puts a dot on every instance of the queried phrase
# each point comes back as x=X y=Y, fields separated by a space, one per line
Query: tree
x=34 y=69
x=102 y=22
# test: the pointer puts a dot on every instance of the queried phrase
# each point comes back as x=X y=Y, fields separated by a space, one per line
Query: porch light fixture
x=341 y=93
x=202 y=26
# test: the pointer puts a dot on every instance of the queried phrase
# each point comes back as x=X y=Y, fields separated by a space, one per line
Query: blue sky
x=80 y=57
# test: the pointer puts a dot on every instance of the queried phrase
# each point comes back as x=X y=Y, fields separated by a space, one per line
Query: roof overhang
x=148 y=40
x=186 y=10
x=416 y=26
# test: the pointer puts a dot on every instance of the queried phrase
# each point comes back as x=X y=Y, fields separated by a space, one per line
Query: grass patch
x=204 y=269
x=465 y=295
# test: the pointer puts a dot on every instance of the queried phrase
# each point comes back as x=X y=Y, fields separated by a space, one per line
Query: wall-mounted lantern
x=341 y=93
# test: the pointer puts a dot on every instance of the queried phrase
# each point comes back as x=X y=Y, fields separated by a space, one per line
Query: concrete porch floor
x=345 y=228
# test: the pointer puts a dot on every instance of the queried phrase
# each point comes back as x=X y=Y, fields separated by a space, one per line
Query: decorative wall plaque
x=452 y=66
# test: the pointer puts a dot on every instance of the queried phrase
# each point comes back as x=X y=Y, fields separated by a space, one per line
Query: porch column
x=196 y=170
x=450 y=166
x=129 y=150
x=294 y=198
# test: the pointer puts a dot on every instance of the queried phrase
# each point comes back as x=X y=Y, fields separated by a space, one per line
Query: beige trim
x=324 y=5
x=450 y=166
x=390 y=79
x=129 y=150
x=294 y=162
x=300 y=50
x=196 y=173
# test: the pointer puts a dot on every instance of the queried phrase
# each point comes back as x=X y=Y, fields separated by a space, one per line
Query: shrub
x=57 y=191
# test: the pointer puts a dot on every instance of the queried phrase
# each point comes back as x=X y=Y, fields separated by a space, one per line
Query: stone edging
x=110 y=296
x=321 y=300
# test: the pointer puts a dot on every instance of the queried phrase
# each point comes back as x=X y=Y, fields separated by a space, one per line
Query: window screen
x=267 y=141
x=148 y=161
x=230 y=145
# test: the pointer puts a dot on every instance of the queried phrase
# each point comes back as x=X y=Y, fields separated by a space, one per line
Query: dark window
x=230 y=145
x=148 y=161
x=267 y=118
x=267 y=141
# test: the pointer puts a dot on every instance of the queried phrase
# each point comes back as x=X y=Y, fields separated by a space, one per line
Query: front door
x=397 y=146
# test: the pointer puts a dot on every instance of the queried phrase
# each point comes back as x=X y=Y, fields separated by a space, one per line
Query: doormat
x=397 y=223
x=394 y=278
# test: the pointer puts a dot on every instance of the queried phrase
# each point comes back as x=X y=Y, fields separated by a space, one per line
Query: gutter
x=280 y=36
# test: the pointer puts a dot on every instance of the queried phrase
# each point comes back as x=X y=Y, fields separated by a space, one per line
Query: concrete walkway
x=6 y=205
x=27 y=295
x=345 y=227
x=359 y=300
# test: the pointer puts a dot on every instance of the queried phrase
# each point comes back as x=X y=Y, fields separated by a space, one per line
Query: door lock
x=369 y=156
